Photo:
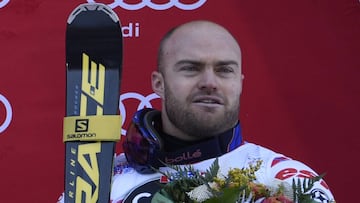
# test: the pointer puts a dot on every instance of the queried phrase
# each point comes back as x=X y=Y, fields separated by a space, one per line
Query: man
x=199 y=80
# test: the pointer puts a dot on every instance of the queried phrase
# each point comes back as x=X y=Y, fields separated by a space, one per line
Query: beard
x=195 y=124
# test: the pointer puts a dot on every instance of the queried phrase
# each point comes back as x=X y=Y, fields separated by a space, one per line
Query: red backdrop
x=301 y=91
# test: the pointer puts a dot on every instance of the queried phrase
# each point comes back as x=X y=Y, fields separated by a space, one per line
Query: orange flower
x=279 y=199
x=258 y=190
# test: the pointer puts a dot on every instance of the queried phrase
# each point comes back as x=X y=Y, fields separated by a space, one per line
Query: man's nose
x=208 y=80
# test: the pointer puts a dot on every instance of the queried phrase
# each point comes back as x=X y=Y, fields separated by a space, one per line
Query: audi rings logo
x=155 y=6
x=8 y=113
x=145 y=102
x=3 y=3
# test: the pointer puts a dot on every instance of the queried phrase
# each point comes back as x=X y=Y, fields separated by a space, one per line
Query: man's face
x=202 y=81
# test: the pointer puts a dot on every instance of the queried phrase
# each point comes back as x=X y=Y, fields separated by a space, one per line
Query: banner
x=301 y=91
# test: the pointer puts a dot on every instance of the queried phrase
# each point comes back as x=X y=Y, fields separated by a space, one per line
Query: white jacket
x=130 y=186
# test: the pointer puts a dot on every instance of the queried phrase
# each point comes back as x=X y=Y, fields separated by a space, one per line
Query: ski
x=92 y=124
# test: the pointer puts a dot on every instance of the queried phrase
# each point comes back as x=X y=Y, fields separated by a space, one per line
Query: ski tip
x=93 y=7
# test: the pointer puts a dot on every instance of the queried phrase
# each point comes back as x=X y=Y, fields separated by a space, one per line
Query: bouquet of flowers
x=239 y=186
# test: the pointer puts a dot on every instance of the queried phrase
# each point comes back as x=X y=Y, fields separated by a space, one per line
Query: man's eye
x=225 y=69
x=190 y=68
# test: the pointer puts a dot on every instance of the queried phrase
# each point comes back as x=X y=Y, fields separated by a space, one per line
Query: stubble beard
x=195 y=125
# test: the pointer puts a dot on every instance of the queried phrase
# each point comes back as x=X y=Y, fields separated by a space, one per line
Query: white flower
x=200 y=193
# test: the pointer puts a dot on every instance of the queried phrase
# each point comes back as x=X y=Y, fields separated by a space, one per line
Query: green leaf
x=302 y=189
x=161 y=198
x=228 y=195
x=212 y=172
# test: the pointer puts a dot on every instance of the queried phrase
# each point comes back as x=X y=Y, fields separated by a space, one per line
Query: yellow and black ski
x=92 y=124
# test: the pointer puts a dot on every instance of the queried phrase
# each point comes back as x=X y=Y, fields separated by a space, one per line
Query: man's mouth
x=208 y=100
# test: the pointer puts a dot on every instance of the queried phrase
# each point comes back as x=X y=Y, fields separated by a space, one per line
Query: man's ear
x=157 y=83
